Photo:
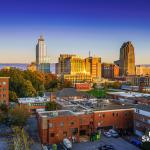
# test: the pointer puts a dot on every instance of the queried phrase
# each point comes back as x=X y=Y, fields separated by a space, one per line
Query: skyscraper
x=42 y=61
x=127 y=59
x=40 y=51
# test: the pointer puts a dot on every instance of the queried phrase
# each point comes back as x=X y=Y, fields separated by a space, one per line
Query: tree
x=50 y=106
x=19 y=115
x=20 y=140
x=146 y=146
x=53 y=84
x=12 y=96
x=3 y=107
x=27 y=90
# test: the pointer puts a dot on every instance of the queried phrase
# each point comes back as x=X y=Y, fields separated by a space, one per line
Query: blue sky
x=74 y=26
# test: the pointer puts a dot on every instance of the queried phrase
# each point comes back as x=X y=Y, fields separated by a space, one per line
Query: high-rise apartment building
x=4 y=90
x=127 y=59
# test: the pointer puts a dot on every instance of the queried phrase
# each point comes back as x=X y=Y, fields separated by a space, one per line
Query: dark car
x=106 y=147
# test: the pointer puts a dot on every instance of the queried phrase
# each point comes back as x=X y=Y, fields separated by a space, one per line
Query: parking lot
x=118 y=143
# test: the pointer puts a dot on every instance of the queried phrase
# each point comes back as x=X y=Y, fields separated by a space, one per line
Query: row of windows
x=51 y=125
x=2 y=95
x=2 y=89
x=3 y=83
x=114 y=114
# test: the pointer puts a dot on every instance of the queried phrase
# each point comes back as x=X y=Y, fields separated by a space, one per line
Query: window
x=117 y=114
x=61 y=124
x=52 y=134
x=4 y=83
x=113 y=114
x=71 y=123
x=65 y=133
x=50 y=125
x=103 y=115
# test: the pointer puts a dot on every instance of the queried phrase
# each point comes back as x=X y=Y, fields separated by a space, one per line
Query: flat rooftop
x=32 y=100
x=129 y=94
x=143 y=107
x=58 y=113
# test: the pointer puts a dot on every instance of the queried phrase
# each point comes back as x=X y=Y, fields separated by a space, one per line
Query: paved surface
x=3 y=144
x=32 y=130
x=118 y=143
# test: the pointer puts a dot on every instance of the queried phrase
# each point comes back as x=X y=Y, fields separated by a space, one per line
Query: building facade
x=54 y=126
x=142 y=120
x=77 y=69
x=110 y=71
x=142 y=70
x=42 y=60
x=127 y=59
x=4 y=90
x=93 y=66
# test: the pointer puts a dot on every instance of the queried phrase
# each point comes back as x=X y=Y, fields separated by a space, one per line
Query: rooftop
x=129 y=94
x=32 y=100
x=70 y=92
x=143 y=107
x=58 y=113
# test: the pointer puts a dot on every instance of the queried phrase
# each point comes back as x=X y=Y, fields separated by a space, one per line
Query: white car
x=107 y=134
x=113 y=133
x=67 y=145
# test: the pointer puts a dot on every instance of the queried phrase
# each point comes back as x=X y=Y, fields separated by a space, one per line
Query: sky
x=74 y=27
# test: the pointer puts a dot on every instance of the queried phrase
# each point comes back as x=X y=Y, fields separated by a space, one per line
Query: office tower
x=40 y=51
x=62 y=63
x=109 y=70
x=42 y=60
x=4 y=90
x=93 y=66
x=127 y=59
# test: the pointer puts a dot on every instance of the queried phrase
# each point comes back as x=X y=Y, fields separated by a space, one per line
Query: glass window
x=52 y=134
x=61 y=124
x=50 y=125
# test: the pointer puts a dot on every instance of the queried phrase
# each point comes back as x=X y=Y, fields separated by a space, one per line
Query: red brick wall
x=4 y=90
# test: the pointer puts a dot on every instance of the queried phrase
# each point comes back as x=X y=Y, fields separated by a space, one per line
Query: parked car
x=67 y=145
x=106 y=147
x=113 y=133
x=136 y=142
x=107 y=134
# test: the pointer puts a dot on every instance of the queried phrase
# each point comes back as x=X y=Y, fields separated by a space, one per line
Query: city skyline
x=75 y=27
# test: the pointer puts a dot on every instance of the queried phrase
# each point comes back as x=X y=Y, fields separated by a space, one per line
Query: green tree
x=12 y=96
x=20 y=140
x=50 y=106
x=19 y=115
x=146 y=146
x=27 y=90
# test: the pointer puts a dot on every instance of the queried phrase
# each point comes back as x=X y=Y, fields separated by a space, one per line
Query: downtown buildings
x=79 y=70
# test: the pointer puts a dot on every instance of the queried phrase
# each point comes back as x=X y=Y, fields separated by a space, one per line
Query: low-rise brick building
x=54 y=126
x=4 y=90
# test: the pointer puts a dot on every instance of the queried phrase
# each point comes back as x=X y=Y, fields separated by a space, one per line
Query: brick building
x=142 y=120
x=54 y=126
x=83 y=86
x=4 y=90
